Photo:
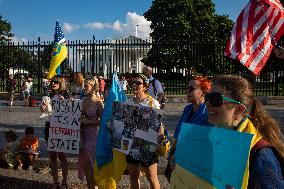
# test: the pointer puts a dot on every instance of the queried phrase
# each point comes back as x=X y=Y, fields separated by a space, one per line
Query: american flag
x=58 y=35
x=256 y=31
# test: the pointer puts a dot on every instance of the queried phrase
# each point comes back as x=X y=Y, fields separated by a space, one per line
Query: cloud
x=69 y=28
x=98 y=25
x=19 y=39
x=127 y=28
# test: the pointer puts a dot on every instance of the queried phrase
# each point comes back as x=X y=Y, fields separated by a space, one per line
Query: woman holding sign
x=58 y=91
x=231 y=104
x=195 y=113
x=92 y=108
x=140 y=87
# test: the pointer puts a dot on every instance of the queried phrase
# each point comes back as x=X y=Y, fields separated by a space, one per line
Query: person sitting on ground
x=8 y=155
x=28 y=149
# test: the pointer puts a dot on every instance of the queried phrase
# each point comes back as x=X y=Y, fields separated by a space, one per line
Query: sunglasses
x=217 y=99
x=137 y=83
x=190 y=88
x=55 y=82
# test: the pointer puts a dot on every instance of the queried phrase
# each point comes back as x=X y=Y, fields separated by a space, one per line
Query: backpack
x=261 y=144
x=164 y=99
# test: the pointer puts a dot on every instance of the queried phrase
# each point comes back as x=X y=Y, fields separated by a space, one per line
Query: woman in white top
x=142 y=98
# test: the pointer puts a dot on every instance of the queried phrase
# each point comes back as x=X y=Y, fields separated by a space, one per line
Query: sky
x=82 y=19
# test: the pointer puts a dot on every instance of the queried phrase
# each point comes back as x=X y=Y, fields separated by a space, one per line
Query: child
x=8 y=156
x=29 y=147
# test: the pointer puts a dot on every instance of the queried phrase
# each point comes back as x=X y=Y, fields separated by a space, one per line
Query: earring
x=235 y=123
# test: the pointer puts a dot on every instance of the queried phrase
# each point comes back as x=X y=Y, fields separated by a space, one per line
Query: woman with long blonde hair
x=77 y=85
x=92 y=108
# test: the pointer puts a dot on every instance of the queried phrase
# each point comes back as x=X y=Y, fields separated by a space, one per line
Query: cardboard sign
x=134 y=130
x=212 y=157
x=64 y=131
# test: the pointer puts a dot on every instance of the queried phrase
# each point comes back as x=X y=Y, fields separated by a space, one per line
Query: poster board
x=134 y=130
x=64 y=131
x=210 y=157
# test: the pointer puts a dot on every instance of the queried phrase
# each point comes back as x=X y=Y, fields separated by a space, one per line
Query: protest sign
x=64 y=131
x=210 y=157
x=134 y=130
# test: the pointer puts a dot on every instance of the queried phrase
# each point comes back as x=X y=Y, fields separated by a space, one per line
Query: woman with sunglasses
x=59 y=92
x=195 y=113
x=92 y=108
x=141 y=98
x=231 y=104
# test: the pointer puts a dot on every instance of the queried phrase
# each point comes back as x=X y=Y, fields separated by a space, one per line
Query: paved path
x=18 y=118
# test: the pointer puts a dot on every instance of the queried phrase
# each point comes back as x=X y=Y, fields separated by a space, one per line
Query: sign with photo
x=134 y=130
x=64 y=131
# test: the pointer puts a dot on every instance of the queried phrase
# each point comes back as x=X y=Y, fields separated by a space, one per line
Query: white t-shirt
x=146 y=102
x=158 y=87
x=28 y=86
x=124 y=84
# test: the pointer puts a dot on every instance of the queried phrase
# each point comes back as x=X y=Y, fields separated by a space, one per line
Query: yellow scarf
x=248 y=127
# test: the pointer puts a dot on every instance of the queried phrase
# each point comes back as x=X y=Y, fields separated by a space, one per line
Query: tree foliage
x=5 y=30
x=178 y=27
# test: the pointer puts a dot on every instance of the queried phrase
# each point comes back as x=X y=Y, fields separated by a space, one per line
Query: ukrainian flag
x=59 y=52
x=110 y=164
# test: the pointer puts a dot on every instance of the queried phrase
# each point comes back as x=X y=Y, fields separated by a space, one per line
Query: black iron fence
x=174 y=63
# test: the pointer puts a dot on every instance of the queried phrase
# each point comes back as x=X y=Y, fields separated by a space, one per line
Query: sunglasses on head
x=190 y=88
x=217 y=99
x=137 y=83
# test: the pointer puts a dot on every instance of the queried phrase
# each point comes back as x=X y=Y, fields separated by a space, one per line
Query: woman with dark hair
x=92 y=108
x=58 y=92
x=232 y=105
x=195 y=113
x=134 y=166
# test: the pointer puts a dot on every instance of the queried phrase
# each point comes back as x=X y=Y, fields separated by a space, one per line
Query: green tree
x=178 y=29
x=5 y=30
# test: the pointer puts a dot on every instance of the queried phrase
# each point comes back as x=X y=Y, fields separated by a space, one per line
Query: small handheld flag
x=59 y=51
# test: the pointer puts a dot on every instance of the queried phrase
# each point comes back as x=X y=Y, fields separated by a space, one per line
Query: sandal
x=55 y=186
x=64 y=186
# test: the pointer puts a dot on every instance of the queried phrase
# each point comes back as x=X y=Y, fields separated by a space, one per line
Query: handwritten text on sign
x=211 y=157
x=64 y=131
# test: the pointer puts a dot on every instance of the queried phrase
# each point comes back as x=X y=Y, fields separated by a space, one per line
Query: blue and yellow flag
x=59 y=51
x=110 y=164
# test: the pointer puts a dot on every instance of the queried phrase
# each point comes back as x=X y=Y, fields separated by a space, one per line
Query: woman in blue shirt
x=195 y=112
